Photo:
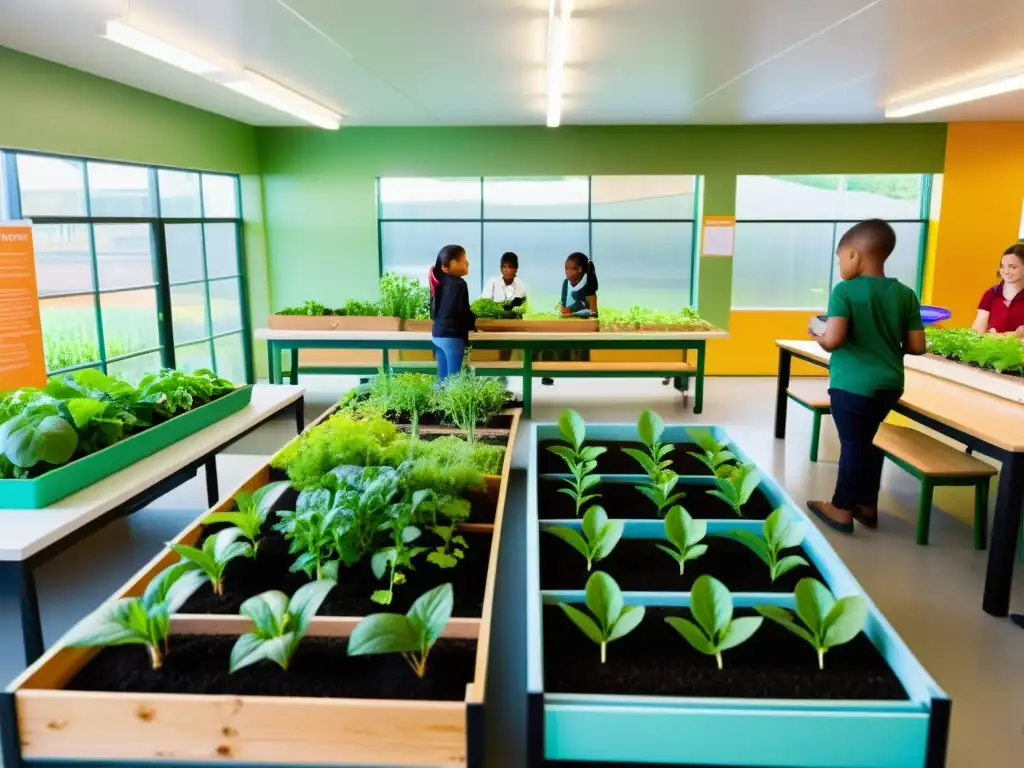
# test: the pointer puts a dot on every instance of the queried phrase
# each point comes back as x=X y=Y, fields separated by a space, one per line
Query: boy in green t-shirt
x=873 y=321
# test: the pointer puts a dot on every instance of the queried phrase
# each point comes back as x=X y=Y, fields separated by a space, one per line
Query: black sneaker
x=547 y=382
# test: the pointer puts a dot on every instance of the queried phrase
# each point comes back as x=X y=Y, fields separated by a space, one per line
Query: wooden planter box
x=572 y=325
x=325 y=358
x=667 y=730
x=643 y=356
x=421 y=326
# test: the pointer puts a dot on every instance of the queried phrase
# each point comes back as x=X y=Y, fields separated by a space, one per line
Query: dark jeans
x=857 y=419
x=449 y=354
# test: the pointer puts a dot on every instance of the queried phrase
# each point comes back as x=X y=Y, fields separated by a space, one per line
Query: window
x=788 y=228
x=612 y=219
x=137 y=268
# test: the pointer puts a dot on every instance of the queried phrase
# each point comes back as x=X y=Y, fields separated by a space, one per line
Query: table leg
x=781 y=400
x=17 y=581
x=300 y=414
x=212 y=486
x=293 y=374
x=385 y=360
x=698 y=381
x=271 y=353
x=1005 y=535
x=527 y=383
x=1018 y=619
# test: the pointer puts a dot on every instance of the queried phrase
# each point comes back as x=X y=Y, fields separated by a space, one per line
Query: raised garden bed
x=316 y=358
x=615 y=462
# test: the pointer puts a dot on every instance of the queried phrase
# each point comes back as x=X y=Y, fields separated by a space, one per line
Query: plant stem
x=415 y=418
x=821 y=658
x=718 y=658
x=155 y=656
x=604 y=652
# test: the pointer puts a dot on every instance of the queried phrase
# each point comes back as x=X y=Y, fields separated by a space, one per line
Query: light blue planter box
x=787 y=733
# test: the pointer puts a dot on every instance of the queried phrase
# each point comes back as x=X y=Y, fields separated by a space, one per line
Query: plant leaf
x=383 y=633
x=248 y=649
x=182 y=589
x=280 y=649
x=604 y=599
x=584 y=622
x=593 y=522
x=675 y=527
x=692 y=553
x=739 y=631
x=589 y=481
x=306 y=602
x=649 y=427
x=591 y=452
x=608 y=538
x=27 y=440
x=572 y=538
x=813 y=603
x=267 y=611
x=85 y=409
x=572 y=428
x=101 y=627
x=430 y=614
x=197 y=557
x=564 y=452
x=784 y=618
x=629 y=619
x=787 y=564
x=645 y=461
x=845 y=621
x=692 y=634
x=711 y=605
x=671 y=553
x=751 y=541
x=751 y=480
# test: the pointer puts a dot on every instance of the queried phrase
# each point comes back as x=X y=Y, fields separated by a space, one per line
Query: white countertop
x=266 y=334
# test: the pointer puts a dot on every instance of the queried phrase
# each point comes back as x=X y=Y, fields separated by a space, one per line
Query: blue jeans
x=857 y=419
x=449 y=356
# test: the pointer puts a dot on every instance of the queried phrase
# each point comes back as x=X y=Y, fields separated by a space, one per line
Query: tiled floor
x=932 y=595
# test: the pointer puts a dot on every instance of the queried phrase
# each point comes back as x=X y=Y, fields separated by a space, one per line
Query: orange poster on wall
x=22 y=363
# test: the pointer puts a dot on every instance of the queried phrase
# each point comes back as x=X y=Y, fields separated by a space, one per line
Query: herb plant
x=827 y=622
x=310 y=530
x=638 y=318
x=409 y=393
x=650 y=428
x=489 y=309
x=716 y=630
x=395 y=559
x=737 y=486
x=660 y=491
x=609 y=619
x=253 y=510
x=217 y=551
x=1003 y=353
x=403 y=297
x=685 y=534
x=362 y=501
x=599 y=537
x=412 y=635
x=466 y=400
x=580 y=459
x=778 y=534
x=713 y=454
x=278 y=624
x=451 y=550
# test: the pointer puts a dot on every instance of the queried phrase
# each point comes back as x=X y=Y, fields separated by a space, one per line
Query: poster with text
x=22 y=363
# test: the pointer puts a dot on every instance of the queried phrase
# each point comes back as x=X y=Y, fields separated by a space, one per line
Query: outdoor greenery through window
x=788 y=227
x=616 y=220
x=137 y=268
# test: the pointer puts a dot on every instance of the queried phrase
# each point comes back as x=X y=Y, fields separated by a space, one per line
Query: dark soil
x=623 y=501
x=639 y=566
x=319 y=668
x=245 y=577
x=615 y=462
x=655 y=660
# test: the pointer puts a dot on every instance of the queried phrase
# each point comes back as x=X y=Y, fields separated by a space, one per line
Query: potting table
x=29 y=538
x=989 y=424
x=528 y=343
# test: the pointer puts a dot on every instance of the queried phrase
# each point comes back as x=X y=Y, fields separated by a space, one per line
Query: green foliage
x=395 y=559
x=737 y=486
x=403 y=297
x=412 y=635
x=67 y=347
x=310 y=307
x=650 y=428
x=716 y=630
x=142 y=620
x=660 y=491
x=466 y=400
x=779 y=533
x=581 y=460
x=489 y=309
x=252 y=512
x=451 y=550
x=278 y=624
x=713 y=454
x=408 y=394
x=1002 y=352
x=217 y=551
x=447 y=465
x=599 y=537
x=685 y=534
x=351 y=308
x=638 y=318
x=827 y=622
x=610 y=619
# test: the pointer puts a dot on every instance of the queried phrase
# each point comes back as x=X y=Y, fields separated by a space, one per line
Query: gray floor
x=932 y=595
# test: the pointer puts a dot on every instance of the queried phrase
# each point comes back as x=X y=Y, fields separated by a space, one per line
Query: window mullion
x=94 y=263
x=206 y=281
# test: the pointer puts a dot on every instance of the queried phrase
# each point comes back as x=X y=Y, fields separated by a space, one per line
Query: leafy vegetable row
x=1000 y=352
x=401 y=297
x=638 y=318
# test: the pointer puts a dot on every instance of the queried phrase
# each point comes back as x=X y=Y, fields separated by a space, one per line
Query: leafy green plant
x=451 y=550
x=395 y=559
x=403 y=297
x=779 y=533
x=650 y=427
x=466 y=400
x=253 y=510
x=660 y=491
x=412 y=635
x=827 y=622
x=713 y=454
x=736 y=487
x=310 y=530
x=213 y=557
x=489 y=309
x=309 y=307
x=279 y=624
x=638 y=318
x=598 y=538
x=610 y=619
x=403 y=393
x=685 y=534
x=581 y=460
x=142 y=620
x=359 y=308
x=716 y=630
x=1003 y=353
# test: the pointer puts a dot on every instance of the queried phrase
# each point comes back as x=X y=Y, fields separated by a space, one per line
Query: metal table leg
x=527 y=383
x=17 y=581
x=781 y=400
x=1005 y=535
x=300 y=414
x=212 y=486
x=698 y=383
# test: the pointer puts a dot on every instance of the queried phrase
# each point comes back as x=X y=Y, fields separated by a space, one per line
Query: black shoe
x=818 y=509
x=547 y=382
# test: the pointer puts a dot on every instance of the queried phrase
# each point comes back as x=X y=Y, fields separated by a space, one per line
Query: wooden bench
x=814 y=397
x=936 y=464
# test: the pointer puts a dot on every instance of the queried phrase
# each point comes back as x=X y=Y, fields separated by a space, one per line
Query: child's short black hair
x=873 y=237
x=448 y=254
x=511 y=259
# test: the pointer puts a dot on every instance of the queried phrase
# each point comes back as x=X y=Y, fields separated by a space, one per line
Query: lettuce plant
x=779 y=533
x=217 y=551
x=660 y=491
x=650 y=427
x=827 y=622
x=580 y=459
x=253 y=510
x=363 y=500
x=716 y=630
x=279 y=624
x=142 y=620
x=713 y=454
x=412 y=635
x=610 y=619
x=599 y=537
x=685 y=534
x=737 y=486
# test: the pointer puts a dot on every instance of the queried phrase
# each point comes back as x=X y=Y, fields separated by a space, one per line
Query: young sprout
x=581 y=460
x=685 y=534
x=779 y=534
x=252 y=512
x=448 y=554
x=412 y=635
x=712 y=453
x=736 y=487
x=610 y=618
x=278 y=624
x=217 y=551
x=310 y=531
x=660 y=491
x=716 y=630
x=599 y=537
x=394 y=559
x=650 y=427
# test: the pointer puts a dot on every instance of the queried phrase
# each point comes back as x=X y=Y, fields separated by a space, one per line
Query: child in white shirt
x=506 y=289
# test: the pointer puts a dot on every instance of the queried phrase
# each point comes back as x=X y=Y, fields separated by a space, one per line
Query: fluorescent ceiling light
x=158 y=49
x=559 y=12
x=264 y=90
x=962 y=96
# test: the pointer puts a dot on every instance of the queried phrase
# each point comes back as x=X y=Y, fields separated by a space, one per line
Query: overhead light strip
x=266 y=91
x=559 y=13
x=961 y=96
x=158 y=49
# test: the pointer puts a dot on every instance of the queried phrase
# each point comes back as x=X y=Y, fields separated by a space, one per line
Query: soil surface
x=655 y=660
x=320 y=668
x=623 y=501
x=615 y=462
x=637 y=565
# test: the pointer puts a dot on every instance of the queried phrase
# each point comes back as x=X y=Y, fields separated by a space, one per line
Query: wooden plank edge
x=458 y=628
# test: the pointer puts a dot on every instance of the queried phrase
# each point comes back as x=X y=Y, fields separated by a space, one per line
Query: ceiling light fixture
x=264 y=90
x=559 y=12
x=158 y=49
x=961 y=96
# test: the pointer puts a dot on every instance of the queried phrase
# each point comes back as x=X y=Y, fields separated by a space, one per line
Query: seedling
x=217 y=551
x=448 y=554
x=412 y=635
x=310 y=531
x=611 y=619
x=713 y=454
x=685 y=535
x=650 y=427
x=253 y=510
x=736 y=488
x=392 y=560
x=279 y=624
x=779 y=534
x=581 y=460
x=660 y=491
x=827 y=622
x=716 y=630
x=362 y=499
x=142 y=620
x=599 y=537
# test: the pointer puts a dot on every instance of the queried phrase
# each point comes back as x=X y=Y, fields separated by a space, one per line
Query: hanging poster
x=22 y=363
x=718 y=235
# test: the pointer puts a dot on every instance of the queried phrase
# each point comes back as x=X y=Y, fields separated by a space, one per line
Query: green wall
x=320 y=202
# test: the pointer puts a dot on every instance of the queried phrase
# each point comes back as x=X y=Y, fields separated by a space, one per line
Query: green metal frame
x=816 y=413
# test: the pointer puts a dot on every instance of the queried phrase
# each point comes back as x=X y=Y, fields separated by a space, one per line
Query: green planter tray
x=42 y=491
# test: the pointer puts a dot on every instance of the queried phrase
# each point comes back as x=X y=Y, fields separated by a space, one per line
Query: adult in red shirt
x=1001 y=309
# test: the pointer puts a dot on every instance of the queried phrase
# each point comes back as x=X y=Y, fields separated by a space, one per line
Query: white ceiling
x=482 y=62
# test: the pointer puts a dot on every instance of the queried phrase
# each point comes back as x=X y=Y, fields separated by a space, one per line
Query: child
x=873 y=321
x=579 y=298
x=506 y=289
x=449 y=309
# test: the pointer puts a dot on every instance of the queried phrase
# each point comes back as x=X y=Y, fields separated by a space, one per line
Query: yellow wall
x=750 y=349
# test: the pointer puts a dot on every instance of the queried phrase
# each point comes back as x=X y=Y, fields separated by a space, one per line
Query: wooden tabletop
x=996 y=420
x=23 y=532
x=267 y=334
